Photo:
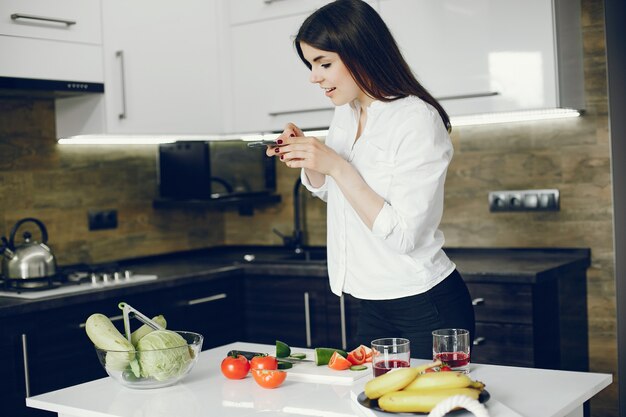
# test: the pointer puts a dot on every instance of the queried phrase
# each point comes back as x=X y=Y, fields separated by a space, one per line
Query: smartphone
x=262 y=143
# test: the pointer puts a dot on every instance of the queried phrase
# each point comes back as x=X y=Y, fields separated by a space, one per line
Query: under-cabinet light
x=476 y=119
x=516 y=116
x=157 y=139
x=131 y=139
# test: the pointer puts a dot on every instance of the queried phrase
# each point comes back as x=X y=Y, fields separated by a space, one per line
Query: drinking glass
x=452 y=346
x=390 y=353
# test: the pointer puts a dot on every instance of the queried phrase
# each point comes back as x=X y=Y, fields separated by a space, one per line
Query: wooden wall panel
x=60 y=184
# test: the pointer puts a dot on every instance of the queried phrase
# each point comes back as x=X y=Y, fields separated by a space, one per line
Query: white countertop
x=206 y=392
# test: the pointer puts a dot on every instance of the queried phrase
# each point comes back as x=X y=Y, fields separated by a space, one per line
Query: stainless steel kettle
x=30 y=259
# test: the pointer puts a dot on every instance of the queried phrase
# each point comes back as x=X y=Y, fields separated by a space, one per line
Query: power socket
x=102 y=219
x=524 y=200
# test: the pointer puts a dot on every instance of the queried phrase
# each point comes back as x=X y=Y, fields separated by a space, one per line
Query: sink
x=307 y=255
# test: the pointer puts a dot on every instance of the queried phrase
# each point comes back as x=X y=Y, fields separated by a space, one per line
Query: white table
x=205 y=392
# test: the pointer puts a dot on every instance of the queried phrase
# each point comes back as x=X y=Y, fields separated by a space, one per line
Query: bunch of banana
x=408 y=390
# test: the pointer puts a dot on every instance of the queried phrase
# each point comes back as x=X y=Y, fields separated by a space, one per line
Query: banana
x=442 y=380
x=421 y=402
x=394 y=380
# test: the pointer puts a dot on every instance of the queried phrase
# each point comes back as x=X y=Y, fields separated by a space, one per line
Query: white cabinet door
x=478 y=47
x=161 y=69
x=58 y=40
x=63 y=20
x=270 y=85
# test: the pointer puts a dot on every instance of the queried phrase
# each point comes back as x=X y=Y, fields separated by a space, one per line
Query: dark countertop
x=515 y=266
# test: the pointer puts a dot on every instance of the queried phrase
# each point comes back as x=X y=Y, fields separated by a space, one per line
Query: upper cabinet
x=161 y=69
x=220 y=66
x=44 y=40
x=482 y=56
x=269 y=84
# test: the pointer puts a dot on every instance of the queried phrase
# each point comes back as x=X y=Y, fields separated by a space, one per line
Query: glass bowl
x=145 y=369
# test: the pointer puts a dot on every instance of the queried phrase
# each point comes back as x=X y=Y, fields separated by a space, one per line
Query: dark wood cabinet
x=533 y=312
x=49 y=350
x=289 y=308
x=342 y=313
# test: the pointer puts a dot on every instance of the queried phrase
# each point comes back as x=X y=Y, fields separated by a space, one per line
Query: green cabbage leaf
x=163 y=354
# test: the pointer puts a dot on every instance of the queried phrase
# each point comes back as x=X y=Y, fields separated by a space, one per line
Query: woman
x=381 y=171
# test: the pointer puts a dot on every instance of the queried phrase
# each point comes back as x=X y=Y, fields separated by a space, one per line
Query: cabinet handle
x=207 y=299
x=466 y=96
x=25 y=356
x=307 y=319
x=16 y=16
x=120 y=55
x=269 y=1
x=342 y=310
x=479 y=341
x=112 y=318
x=282 y=113
x=478 y=301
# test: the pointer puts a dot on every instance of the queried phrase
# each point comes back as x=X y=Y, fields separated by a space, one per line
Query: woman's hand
x=319 y=160
x=299 y=151
x=290 y=131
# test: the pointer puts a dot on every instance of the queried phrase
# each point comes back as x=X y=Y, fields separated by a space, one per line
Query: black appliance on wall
x=215 y=169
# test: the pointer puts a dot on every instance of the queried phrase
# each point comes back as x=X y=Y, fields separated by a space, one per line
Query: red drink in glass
x=382 y=367
x=454 y=359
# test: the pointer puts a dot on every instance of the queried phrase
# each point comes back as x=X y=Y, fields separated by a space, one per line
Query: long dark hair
x=353 y=30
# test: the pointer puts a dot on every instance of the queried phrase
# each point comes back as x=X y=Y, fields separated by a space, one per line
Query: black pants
x=447 y=305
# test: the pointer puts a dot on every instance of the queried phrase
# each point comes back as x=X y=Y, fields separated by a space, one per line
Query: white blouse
x=403 y=155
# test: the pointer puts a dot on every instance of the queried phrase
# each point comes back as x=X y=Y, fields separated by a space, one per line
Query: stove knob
x=127 y=274
x=105 y=278
x=94 y=279
x=116 y=276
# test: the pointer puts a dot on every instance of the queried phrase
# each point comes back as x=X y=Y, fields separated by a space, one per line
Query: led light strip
x=468 y=120
x=517 y=116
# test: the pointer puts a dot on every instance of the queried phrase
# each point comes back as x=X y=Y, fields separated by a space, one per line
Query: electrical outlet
x=102 y=219
x=524 y=200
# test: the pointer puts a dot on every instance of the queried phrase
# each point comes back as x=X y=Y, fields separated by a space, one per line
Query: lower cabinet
x=287 y=308
x=50 y=350
x=298 y=310
x=541 y=324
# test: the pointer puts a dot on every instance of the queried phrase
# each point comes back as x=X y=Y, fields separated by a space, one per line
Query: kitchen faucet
x=294 y=241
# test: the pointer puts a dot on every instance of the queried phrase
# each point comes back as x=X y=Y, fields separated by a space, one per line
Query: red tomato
x=445 y=368
x=269 y=378
x=430 y=370
x=235 y=367
x=264 y=362
x=338 y=362
x=357 y=356
x=368 y=353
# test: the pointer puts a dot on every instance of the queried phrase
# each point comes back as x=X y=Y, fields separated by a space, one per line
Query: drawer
x=51 y=60
x=85 y=14
x=503 y=344
x=510 y=303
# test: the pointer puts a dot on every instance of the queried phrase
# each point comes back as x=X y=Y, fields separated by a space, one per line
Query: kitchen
x=56 y=183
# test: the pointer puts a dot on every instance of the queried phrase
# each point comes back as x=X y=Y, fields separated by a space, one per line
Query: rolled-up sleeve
x=320 y=192
x=413 y=209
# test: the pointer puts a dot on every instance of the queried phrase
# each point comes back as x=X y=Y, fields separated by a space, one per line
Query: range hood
x=43 y=88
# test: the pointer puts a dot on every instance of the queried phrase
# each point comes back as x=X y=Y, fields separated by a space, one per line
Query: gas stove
x=72 y=279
